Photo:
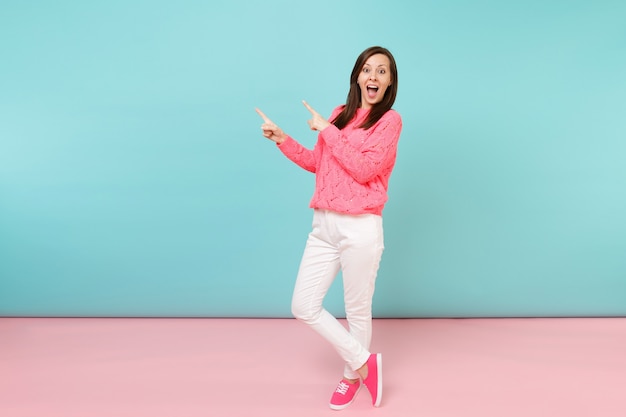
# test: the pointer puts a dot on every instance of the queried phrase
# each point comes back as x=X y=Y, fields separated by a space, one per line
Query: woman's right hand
x=270 y=130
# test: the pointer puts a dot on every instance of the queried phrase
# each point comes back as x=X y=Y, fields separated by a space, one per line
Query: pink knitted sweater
x=352 y=166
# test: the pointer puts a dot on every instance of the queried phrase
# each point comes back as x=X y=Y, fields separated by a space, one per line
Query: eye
x=366 y=70
x=381 y=71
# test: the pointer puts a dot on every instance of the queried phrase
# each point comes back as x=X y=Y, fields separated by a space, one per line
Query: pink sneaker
x=344 y=394
x=374 y=380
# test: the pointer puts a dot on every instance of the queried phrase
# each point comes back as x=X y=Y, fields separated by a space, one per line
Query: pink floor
x=278 y=367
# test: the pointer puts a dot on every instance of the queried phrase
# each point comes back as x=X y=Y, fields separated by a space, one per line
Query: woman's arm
x=365 y=162
x=303 y=157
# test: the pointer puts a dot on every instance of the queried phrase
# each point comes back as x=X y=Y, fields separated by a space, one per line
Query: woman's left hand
x=317 y=122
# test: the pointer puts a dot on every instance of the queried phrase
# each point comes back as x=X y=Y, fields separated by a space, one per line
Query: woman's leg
x=361 y=252
x=318 y=268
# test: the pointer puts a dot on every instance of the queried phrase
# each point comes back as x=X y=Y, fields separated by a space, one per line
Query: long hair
x=353 y=102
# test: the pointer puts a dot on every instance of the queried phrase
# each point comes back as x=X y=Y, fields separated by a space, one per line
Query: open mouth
x=372 y=90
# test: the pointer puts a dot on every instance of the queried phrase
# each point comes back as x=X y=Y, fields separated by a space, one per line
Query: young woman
x=352 y=161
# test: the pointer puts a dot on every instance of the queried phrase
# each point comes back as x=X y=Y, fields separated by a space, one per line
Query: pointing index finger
x=309 y=108
x=265 y=118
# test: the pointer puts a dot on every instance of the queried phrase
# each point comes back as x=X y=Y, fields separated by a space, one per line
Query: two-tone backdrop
x=134 y=180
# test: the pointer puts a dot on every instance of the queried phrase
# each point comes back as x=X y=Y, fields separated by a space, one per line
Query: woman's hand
x=317 y=122
x=270 y=130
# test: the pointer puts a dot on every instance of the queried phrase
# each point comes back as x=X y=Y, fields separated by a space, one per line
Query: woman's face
x=374 y=79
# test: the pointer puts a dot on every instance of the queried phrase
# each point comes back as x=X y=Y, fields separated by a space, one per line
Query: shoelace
x=342 y=388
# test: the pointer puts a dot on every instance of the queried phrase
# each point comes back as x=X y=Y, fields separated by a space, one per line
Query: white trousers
x=354 y=244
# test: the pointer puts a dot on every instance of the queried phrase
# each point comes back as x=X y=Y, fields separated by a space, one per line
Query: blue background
x=134 y=180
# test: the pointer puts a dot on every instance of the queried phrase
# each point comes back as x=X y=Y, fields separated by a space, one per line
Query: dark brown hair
x=354 y=95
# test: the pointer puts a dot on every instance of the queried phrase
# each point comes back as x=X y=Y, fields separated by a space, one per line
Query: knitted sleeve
x=303 y=157
x=364 y=161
